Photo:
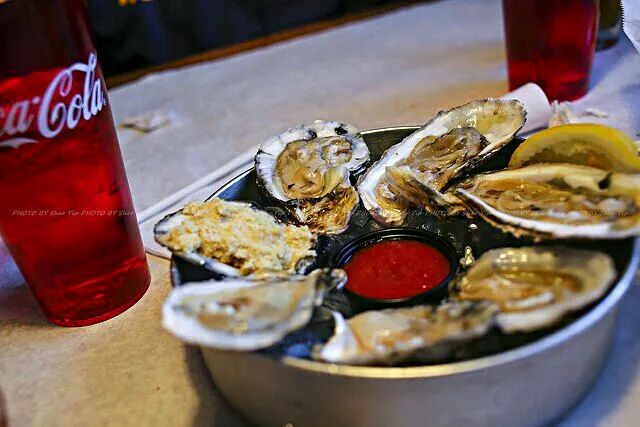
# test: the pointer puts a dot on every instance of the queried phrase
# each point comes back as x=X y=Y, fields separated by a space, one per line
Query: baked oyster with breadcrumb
x=235 y=239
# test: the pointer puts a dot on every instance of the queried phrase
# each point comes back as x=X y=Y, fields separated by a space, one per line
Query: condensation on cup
x=66 y=212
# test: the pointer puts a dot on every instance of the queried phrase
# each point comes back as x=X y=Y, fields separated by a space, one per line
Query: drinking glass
x=66 y=212
x=3 y=411
x=610 y=24
x=551 y=43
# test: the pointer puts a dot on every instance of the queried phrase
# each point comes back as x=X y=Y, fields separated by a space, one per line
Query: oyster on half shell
x=235 y=239
x=556 y=201
x=391 y=336
x=432 y=164
x=308 y=169
x=536 y=286
x=245 y=315
x=470 y=133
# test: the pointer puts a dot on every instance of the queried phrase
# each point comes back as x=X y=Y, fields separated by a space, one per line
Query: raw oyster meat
x=391 y=336
x=557 y=201
x=234 y=239
x=246 y=315
x=432 y=161
x=308 y=168
x=536 y=286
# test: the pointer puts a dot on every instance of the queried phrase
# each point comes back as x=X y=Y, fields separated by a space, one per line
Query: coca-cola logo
x=51 y=117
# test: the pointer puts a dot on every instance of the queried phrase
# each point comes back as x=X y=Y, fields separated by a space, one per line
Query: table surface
x=128 y=371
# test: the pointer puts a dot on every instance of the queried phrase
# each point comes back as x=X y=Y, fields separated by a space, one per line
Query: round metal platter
x=528 y=385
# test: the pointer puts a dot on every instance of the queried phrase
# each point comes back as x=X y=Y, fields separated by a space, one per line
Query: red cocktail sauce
x=396 y=269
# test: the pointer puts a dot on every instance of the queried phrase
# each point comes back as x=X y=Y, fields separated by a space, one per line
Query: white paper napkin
x=535 y=102
x=534 y=99
x=631 y=21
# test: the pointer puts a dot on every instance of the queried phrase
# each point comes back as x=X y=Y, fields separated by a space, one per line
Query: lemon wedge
x=592 y=145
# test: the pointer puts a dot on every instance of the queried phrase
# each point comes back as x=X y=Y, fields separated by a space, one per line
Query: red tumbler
x=3 y=411
x=551 y=43
x=66 y=212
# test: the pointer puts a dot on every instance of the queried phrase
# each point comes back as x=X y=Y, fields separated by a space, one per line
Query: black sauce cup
x=433 y=295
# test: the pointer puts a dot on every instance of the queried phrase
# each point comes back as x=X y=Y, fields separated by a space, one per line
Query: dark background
x=134 y=34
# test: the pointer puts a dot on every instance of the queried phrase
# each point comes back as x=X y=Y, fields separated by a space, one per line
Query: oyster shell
x=242 y=314
x=234 y=239
x=390 y=336
x=495 y=123
x=308 y=167
x=536 y=286
x=557 y=201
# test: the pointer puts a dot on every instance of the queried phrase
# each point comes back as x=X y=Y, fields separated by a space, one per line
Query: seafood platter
x=436 y=275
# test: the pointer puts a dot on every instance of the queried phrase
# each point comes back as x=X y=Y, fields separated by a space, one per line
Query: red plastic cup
x=551 y=43
x=66 y=212
x=3 y=411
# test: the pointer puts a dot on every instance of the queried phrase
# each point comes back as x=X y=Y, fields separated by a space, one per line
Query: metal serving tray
x=530 y=385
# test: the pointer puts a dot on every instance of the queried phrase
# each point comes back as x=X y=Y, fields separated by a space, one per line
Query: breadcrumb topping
x=237 y=235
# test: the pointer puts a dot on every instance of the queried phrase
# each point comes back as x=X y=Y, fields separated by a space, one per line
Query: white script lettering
x=58 y=108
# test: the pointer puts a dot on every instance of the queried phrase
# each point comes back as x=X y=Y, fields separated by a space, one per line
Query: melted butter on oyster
x=308 y=168
x=536 y=286
x=419 y=167
x=238 y=311
x=433 y=162
x=390 y=200
x=556 y=201
x=518 y=290
x=236 y=235
x=436 y=160
x=331 y=213
x=553 y=201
